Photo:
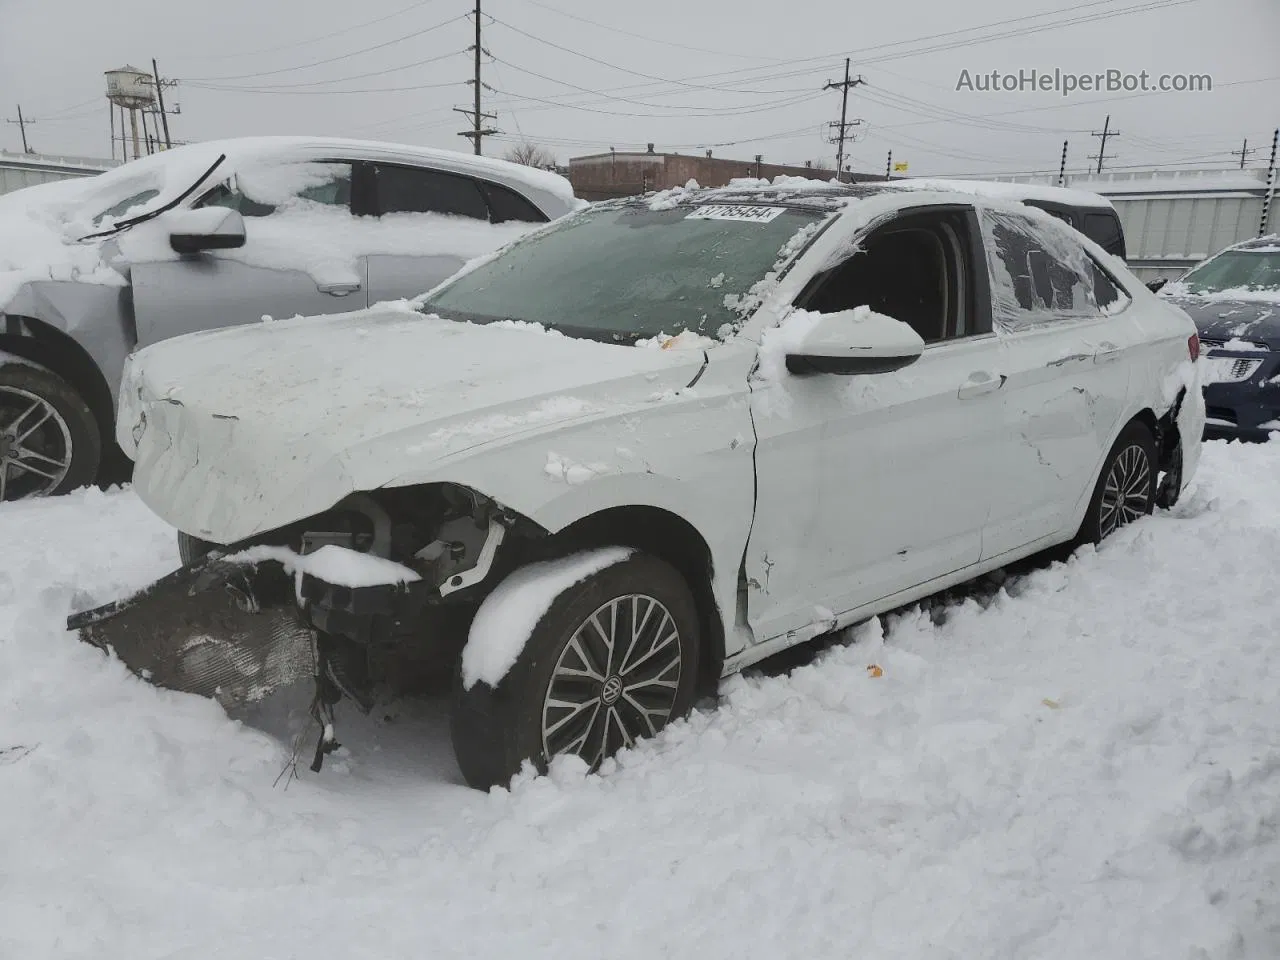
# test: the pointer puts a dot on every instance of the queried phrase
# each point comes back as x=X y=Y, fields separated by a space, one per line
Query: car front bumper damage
x=238 y=630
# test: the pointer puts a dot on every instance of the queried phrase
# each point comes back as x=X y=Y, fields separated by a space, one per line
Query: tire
x=193 y=549
x=1170 y=488
x=49 y=440
x=495 y=730
x=1131 y=469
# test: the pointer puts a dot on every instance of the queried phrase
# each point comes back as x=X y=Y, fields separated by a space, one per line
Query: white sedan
x=658 y=441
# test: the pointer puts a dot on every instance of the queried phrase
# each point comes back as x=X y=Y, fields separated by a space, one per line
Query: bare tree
x=531 y=155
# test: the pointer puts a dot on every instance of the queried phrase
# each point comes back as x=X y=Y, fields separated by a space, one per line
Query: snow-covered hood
x=246 y=429
x=1217 y=319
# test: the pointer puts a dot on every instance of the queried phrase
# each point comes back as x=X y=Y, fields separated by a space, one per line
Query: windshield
x=622 y=273
x=1244 y=271
x=117 y=210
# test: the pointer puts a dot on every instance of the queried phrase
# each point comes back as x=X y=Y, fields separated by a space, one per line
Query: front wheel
x=1126 y=490
x=613 y=660
x=49 y=439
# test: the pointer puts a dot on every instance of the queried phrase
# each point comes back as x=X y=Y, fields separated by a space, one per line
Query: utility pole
x=1243 y=152
x=759 y=159
x=1106 y=134
x=1062 y=165
x=888 y=166
x=478 y=130
x=164 y=117
x=1271 y=184
x=842 y=129
x=22 y=126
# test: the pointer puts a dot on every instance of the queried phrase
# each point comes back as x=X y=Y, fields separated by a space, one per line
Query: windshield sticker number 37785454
x=735 y=211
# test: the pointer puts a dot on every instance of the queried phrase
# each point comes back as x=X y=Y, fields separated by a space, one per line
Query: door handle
x=339 y=289
x=1106 y=352
x=973 y=387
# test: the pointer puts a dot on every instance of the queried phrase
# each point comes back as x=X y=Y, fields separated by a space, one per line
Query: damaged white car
x=642 y=448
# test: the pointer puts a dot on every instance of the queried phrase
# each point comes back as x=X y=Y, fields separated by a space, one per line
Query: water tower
x=133 y=90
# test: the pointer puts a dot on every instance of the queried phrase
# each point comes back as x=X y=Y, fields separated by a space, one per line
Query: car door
x=1067 y=337
x=431 y=222
x=870 y=485
x=297 y=257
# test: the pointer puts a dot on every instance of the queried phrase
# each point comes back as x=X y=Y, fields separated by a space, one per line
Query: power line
x=328 y=36
x=353 y=76
x=641 y=36
x=759 y=108
x=343 y=56
x=277 y=91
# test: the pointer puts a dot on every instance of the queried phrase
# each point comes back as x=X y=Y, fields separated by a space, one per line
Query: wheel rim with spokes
x=35 y=445
x=615 y=682
x=1127 y=493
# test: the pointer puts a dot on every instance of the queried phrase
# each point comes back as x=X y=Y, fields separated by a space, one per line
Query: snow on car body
x=797 y=459
x=221 y=233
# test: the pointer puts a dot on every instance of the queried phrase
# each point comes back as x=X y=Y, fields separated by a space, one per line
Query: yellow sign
x=899 y=168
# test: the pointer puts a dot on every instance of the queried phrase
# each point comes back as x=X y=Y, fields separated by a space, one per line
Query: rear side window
x=416 y=190
x=1104 y=230
x=1039 y=271
x=505 y=204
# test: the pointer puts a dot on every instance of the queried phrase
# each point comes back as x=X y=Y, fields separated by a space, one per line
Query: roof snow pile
x=1083 y=762
x=997 y=190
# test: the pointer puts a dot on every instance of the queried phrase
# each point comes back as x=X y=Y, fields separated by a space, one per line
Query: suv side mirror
x=208 y=228
x=853 y=342
x=1155 y=285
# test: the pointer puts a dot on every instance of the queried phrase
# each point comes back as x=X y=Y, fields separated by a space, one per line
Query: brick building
x=602 y=176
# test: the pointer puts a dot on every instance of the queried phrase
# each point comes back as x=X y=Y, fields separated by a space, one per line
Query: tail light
x=1193 y=346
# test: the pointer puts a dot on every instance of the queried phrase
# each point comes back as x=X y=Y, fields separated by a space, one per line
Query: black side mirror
x=1155 y=285
x=208 y=228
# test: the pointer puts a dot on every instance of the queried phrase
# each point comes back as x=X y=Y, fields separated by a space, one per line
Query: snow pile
x=334 y=564
x=326 y=242
x=572 y=473
x=1177 y=288
x=1079 y=763
x=997 y=190
x=787 y=337
x=507 y=617
x=684 y=340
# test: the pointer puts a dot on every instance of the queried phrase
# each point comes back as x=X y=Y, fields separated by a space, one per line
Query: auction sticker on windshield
x=734 y=211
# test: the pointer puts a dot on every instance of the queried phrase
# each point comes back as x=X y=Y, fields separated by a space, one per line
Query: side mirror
x=209 y=228
x=1155 y=285
x=855 y=342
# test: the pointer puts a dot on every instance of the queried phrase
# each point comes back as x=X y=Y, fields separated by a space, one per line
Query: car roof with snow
x=1267 y=244
x=172 y=171
x=830 y=196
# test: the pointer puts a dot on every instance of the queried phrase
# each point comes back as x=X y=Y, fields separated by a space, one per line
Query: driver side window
x=260 y=193
x=914 y=269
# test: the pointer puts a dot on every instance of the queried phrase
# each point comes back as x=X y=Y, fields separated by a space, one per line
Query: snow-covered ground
x=1083 y=765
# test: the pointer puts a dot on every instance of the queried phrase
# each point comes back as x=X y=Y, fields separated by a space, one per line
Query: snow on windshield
x=632 y=273
x=1252 y=274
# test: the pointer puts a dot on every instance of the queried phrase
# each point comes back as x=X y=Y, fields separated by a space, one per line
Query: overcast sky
x=579 y=76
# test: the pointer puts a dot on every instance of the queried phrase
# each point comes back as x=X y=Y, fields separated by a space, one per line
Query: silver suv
x=212 y=235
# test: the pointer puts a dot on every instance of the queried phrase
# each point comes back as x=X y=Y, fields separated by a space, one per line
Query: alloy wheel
x=1127 y=493
x=615 y=682
x=35 y=445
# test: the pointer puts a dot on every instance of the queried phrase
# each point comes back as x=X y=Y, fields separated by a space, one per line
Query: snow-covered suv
x=215 y=234
x=645 y=447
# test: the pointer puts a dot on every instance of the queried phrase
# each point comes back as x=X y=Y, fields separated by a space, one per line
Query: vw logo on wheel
x=611 y=690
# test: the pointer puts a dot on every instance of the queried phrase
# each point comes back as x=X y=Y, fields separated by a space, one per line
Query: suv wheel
x=612 y=661
x=49 y=439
